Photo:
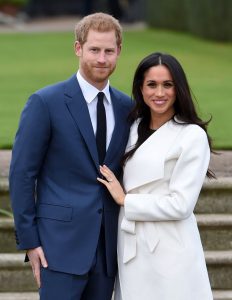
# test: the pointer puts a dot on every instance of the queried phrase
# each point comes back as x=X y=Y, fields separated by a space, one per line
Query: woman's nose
x=160 y=90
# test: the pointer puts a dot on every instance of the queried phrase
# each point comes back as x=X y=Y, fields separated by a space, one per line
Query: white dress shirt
x=90 y=95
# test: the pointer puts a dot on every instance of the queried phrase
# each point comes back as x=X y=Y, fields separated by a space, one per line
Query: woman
x=160 y=254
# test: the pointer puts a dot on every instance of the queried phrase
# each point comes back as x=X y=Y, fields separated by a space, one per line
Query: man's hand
x=37 y=258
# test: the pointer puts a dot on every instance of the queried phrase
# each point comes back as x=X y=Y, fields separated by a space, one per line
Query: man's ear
x=77 y=48
x=119 y=49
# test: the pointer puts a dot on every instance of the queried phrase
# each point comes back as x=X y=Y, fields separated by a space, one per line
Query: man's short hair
x=100 y=22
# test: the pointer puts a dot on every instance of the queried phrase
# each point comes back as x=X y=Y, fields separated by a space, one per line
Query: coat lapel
x=79 y=111
x=151 y=153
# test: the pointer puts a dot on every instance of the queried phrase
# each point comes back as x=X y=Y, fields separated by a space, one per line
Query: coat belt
x=130 y=243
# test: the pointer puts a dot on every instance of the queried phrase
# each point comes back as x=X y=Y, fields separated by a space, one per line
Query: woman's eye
x=168 y=84
x=152 y=84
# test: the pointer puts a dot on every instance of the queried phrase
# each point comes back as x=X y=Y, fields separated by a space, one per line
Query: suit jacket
x=56 y=199
x=159 y=246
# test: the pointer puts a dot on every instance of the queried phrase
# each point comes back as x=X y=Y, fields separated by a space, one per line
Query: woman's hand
x=112 y=184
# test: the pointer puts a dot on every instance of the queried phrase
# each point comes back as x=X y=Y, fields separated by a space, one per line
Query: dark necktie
x=101 y=128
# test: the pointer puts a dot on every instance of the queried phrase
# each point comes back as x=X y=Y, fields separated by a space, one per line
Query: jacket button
x=100 y=210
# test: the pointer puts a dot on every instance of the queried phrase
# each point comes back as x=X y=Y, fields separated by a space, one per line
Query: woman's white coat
x=160 y=254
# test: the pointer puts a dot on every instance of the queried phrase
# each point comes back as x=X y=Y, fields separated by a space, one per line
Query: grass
x=29 y=61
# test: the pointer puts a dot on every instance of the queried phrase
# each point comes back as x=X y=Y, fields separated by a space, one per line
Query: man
x=64 y=218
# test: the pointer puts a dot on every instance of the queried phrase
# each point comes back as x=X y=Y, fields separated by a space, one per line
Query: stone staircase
x=214 y=217
x=16 y=279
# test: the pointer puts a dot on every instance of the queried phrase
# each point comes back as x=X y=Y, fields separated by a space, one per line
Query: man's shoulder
x=52 y=89
x=119 y=93
x=126 y=100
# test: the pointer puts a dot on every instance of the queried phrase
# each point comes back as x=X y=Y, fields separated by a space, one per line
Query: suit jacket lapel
x=119 y=127
x=79 y=111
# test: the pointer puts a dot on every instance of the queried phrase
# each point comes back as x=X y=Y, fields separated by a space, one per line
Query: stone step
x=215 y=231
x=4 y=194
x=221 y=295
x=217 y=295
x=4 y=184
x=19 y=296
x=219 y=265
x=15 y=275
x=215 y=197
x=7 y=237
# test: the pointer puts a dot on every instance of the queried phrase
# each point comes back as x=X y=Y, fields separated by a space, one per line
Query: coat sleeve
x=184 y=186
x=28 y=152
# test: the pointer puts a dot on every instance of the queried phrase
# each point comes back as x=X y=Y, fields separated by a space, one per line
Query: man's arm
x=28 y=153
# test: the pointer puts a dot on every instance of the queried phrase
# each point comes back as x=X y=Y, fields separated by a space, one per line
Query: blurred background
x=206 y=18
x=124 y=10
x=36 y=38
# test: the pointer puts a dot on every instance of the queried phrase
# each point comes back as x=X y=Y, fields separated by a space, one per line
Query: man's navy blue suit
x=56 y=199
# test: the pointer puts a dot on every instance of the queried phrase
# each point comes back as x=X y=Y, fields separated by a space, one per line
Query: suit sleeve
x=184 y=187
x=29 y=149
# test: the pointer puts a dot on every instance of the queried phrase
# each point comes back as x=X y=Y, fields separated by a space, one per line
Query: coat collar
x=147 y=163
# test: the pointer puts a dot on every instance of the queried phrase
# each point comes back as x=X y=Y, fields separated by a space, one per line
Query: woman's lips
x=159 y=102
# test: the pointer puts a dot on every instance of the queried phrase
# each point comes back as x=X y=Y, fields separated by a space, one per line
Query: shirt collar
x=89 y=91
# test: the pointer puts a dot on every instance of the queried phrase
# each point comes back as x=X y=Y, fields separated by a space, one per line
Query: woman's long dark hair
x=183 y=106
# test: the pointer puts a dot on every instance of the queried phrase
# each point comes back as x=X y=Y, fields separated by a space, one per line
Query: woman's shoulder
x=187 y=128
x=194 y=129
x=193 y=134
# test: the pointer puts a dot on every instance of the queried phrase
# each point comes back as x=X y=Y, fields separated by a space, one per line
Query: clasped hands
x=112 y=184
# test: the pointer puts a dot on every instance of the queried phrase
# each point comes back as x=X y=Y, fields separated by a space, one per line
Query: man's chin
x=102 y=77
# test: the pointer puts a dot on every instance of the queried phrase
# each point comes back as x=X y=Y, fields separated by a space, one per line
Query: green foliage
x=31 y=61
x=167 y=14
x=206 y=18
x=210 y=18
x=14 y=2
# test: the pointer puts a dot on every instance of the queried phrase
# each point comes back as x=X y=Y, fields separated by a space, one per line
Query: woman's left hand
x=112 y=184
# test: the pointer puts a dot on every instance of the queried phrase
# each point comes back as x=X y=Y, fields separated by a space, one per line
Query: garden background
x=30 y=61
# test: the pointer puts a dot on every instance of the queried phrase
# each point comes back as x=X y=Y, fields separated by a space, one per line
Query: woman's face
x=158 y=92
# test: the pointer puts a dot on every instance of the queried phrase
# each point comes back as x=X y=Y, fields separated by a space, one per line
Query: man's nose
x=101 y=57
